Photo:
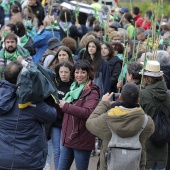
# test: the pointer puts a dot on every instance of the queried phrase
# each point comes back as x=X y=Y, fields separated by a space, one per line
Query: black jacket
x=166 y=70
x=115 y=65
x=2 y=17
x=30 y=46
x=63 y=88
x=38 y=10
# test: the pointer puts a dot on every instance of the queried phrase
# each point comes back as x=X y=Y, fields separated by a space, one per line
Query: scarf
x=24 y=40
x=19 y=51
x=11 y=56
x=53 y=27
x=75 y=91
x=65 y=25
x=6 y=8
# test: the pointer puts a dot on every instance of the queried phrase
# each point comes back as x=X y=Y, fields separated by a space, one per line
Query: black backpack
x=161 y=120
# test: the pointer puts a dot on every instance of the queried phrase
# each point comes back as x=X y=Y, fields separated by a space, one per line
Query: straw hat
x=152 y=69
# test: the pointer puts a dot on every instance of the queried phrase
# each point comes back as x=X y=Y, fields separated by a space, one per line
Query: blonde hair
x=85 y=39
x=113 y=34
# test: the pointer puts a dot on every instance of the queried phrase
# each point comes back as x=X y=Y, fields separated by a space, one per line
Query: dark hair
x=12 y=71
x=149 y=14
x=139 y=54
x=15 y=9
x=70 y=43
x=129 y=18
x=97 y=60
x=118 y=47
x=82 y=17
x=147 y=80
x=110 y=48
x=98 y=28
x=62 y=16
x=11 y=36
x=130 y=93
x=91 y=20
x=136 y=10
x=56 y=61
x=21 y=31
x=12 y=27
x=84 y=65
x=65 y=64
x=134 y=68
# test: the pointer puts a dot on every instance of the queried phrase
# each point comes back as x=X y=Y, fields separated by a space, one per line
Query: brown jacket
x=97 y=125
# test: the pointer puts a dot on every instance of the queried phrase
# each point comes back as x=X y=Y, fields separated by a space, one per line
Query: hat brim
x=153 y=74
x=54 y=45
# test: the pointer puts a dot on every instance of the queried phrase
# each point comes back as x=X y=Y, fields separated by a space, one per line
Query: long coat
x=74 y=132
x=150 y=97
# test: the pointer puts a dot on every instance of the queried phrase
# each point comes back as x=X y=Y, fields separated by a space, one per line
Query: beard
x=10 y=49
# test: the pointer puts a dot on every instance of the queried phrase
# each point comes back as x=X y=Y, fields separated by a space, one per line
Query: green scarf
x=49 y=28
x=6 y=8
x=24 y=40
x=75 y=91
x=10 y=56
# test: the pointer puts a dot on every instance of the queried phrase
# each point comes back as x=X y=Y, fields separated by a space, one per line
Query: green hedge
x=145 y=6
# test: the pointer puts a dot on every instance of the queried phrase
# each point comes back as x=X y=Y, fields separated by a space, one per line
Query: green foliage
x=146 y=6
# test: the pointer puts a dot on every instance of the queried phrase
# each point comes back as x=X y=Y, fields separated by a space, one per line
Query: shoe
x=47 y=167
x=93 y=153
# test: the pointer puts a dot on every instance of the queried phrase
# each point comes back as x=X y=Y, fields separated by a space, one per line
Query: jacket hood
x=157 y=90
x=7 y=96
x=125 y=122
x=166 y=71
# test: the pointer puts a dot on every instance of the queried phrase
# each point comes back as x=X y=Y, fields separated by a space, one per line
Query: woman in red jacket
x=77 y=106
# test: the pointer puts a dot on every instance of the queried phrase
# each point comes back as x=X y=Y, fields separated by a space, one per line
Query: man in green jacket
x=126 y=118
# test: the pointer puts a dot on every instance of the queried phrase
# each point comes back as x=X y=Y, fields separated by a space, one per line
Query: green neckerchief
x=6 y=8
x=24 y=40
x=12 y=56
x=12 y=2
x=75 y=91
x=5 y=34
x=49 y=28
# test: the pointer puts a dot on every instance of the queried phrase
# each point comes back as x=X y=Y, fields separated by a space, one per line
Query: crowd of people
x=111 y=68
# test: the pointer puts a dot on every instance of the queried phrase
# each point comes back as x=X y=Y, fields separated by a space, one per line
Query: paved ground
x=92 y=164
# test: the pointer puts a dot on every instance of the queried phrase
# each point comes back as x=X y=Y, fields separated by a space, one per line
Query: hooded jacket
x=22 y=137
x=125 y=122
x=150 y=98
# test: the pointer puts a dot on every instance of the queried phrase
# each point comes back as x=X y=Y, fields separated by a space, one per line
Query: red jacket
x=147 y=25
x=74 y=132
x=138 y=20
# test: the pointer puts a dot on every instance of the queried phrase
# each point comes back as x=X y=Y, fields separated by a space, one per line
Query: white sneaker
x=47 y=167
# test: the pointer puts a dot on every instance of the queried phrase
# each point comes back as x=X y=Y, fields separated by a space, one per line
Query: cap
x=124 y=9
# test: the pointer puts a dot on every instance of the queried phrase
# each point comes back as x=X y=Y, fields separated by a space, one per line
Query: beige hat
x=152 y=69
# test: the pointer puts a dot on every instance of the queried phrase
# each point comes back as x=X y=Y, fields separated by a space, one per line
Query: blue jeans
x=155 y=168
x=69 y=154
x=56 y=141
x=48 y=160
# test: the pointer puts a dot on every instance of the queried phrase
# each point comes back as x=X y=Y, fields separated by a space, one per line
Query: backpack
x=35 y=83
x=125 y=153
x=161 y=120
